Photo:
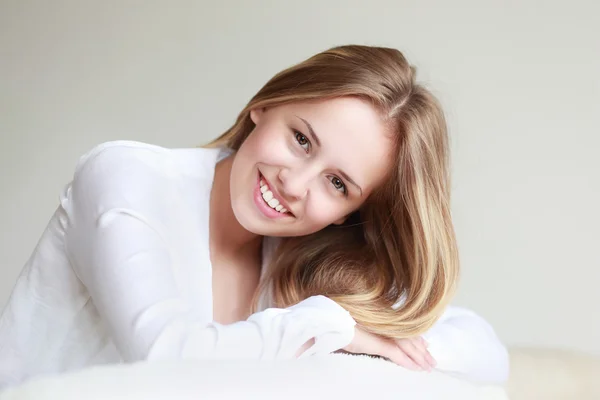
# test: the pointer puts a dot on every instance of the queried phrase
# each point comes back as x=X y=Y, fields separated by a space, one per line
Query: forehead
x=352 y=134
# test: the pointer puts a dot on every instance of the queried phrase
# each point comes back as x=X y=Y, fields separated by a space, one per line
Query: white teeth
x=267 y=195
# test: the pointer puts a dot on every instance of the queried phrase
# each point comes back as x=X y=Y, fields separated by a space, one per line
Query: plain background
x=519 y=81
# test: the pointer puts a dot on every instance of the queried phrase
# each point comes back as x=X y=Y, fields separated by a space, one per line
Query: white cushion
x=337 y=376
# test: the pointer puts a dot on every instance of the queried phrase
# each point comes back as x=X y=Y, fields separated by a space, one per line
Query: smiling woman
x=319 y=222
x=309 y=174
x=362 y=140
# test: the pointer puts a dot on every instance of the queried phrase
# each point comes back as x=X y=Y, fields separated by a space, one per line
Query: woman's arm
x=460 y=343
x=125 y=264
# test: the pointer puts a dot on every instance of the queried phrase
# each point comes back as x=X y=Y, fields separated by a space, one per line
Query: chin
x=260 y=227
x=248 y=221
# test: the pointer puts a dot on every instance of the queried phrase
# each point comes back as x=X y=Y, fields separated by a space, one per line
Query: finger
x=428 y=355
x=416 y=351
x=397 y=356
x=403 y=360
x=419 y=343
x=430 y=360
x=305 y=347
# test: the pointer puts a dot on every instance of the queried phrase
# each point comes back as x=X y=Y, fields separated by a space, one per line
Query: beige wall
x=519 y=80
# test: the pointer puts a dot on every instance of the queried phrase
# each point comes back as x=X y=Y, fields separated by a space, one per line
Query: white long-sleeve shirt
x=123 y=273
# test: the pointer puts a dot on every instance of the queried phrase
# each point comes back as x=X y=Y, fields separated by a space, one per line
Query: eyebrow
x=311 y=130
x=318 y=142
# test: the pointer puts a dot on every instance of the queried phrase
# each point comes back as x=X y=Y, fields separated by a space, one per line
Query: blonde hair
x=394 y=263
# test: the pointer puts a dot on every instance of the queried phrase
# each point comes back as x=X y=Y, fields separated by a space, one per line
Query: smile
x=268 y=197
x=267 y=200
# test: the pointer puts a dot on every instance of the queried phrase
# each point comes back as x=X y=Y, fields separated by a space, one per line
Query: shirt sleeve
x=464 y=344
x=122 y=258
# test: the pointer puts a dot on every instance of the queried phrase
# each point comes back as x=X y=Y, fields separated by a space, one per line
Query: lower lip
x=264 y=207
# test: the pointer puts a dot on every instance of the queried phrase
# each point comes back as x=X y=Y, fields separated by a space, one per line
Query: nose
x=294 y=182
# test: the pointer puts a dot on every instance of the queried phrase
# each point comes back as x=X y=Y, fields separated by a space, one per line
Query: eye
x=302 y=141
x=338 y=184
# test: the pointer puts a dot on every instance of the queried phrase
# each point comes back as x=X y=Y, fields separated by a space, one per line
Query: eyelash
x=299 y=136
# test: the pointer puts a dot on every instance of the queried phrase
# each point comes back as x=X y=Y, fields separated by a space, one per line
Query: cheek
x=267 y=144
x=323 y=210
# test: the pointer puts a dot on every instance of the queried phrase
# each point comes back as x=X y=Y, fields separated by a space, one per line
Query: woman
x=319 y=222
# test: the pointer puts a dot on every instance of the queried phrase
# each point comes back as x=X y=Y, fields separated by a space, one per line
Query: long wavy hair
x=394 y=263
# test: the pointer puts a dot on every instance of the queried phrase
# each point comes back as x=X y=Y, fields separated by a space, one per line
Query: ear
x=256 y=114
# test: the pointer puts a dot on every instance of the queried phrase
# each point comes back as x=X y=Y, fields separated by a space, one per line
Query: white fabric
x=329 y=377
x=123 y=273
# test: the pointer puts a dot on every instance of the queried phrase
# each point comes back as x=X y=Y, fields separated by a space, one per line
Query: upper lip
x=276 y=194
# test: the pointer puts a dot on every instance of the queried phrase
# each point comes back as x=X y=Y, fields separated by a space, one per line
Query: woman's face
x=308 y=165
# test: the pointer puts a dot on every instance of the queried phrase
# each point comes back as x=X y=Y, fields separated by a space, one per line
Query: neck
x=227 y=236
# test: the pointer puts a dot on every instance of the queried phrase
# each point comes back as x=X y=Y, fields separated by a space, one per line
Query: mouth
x=268 y=201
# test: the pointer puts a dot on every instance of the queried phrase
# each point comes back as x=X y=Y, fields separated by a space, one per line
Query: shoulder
x=139 y=156
x=130 y=174
x=122 y=166
x=122 y=160
x=110 y=156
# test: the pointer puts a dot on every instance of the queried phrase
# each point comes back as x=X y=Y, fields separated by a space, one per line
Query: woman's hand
x=409 y=353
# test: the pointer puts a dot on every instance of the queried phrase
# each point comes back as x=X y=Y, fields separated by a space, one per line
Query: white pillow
x=337 y=376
